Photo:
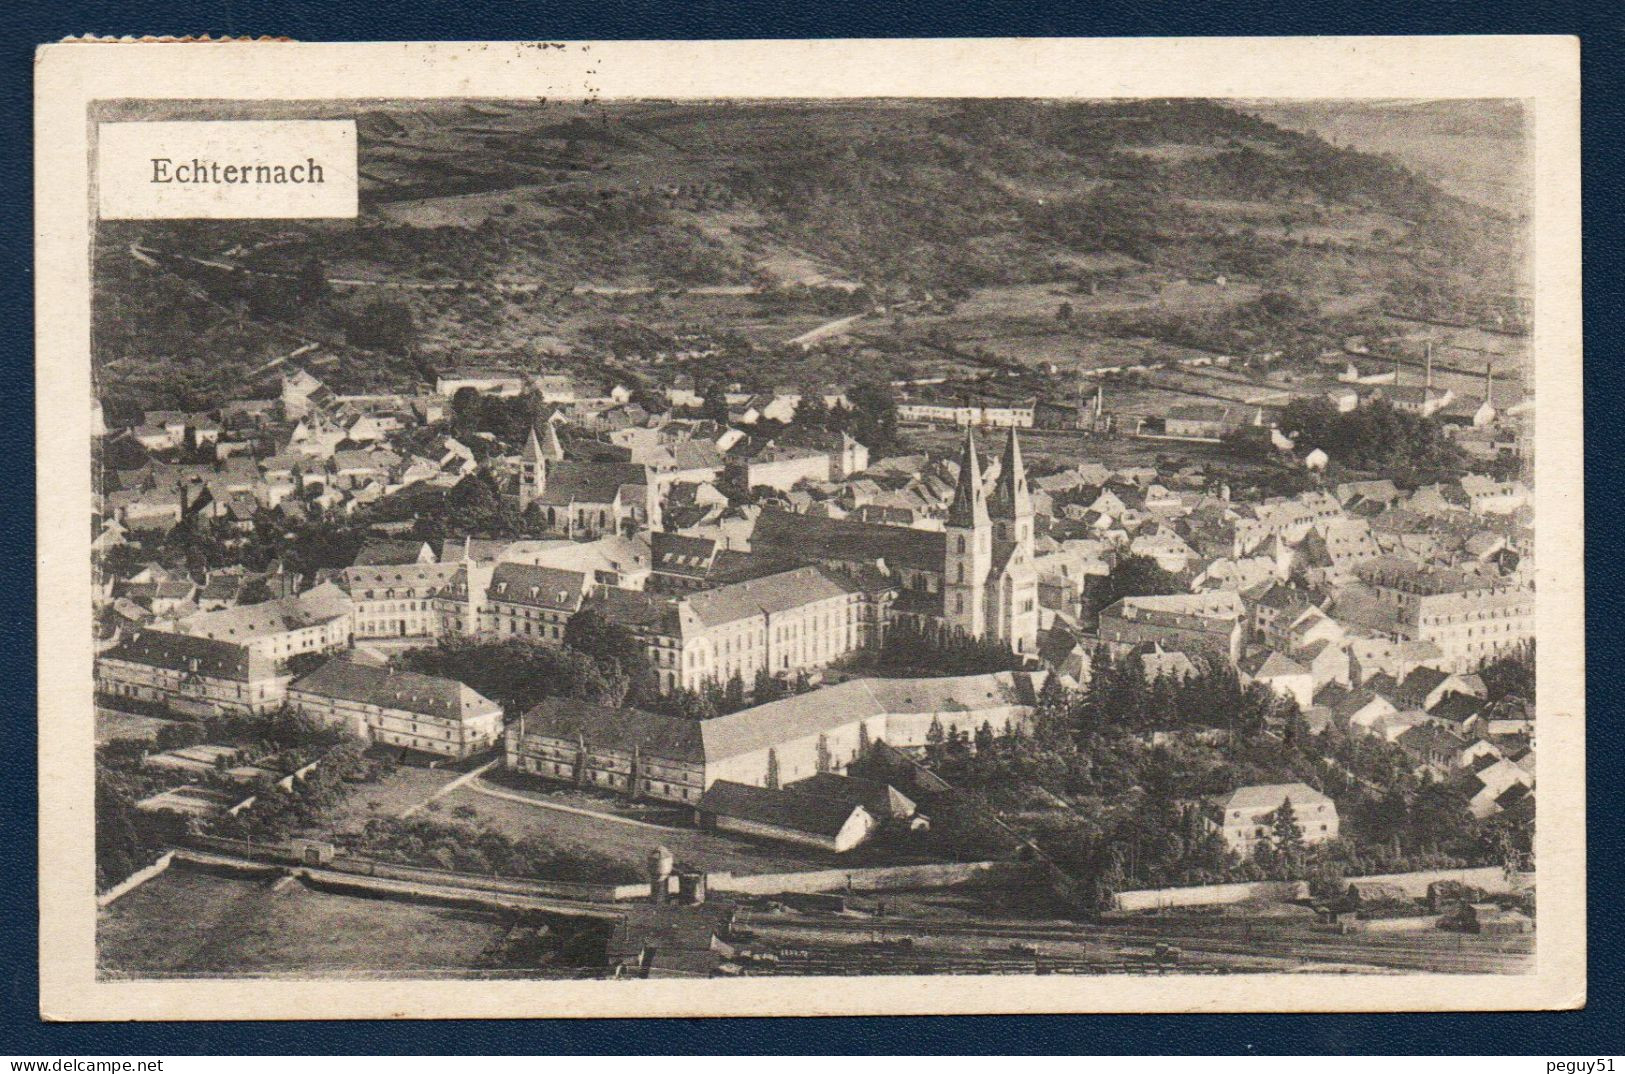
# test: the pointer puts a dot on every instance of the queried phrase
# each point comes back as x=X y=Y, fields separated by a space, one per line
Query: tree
x=766 y=688
x=311 y=282
x=465 y=411
x=874 y=415
x=1286 y=837
x=715 y=403
x=1295 y=729
x=733 y=693
x=984 y=738
x=616 y=650
x=1511 y=674
x=1063 y=313
x=383 y=325
x=934 y=738
x=824 y=760
x=1052 y=715
x=772 y=779
x=812 y=412
x=1132 y=576
x=863 y=740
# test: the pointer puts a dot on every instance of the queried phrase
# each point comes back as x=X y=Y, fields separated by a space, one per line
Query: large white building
x=395 y=600
x=400 y=708
x=644 y=754
x=1469 y=618
x=988 y=414
x=191 y=676
x=319 y=620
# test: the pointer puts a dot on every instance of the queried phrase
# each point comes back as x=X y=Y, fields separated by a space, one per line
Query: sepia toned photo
x=663 y=551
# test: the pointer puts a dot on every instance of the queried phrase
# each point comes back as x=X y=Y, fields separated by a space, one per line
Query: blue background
x=1589 y=1032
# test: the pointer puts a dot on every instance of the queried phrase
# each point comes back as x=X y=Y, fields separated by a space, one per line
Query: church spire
x=1012 y=498
x=969 y=507
x=544 y=448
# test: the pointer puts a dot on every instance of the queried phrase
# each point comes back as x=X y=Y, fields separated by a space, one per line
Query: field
x=190 y=923
x=391 y=796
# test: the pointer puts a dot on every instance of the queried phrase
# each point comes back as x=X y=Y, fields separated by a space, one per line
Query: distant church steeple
x=1012 y=500
x=968 y=557
x=533 y=462
x=969 y=506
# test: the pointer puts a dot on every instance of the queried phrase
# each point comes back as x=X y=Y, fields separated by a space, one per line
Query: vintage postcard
x=800 y=528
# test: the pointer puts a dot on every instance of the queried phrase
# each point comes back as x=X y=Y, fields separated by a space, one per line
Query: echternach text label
x=165 y=170
x=227 y=169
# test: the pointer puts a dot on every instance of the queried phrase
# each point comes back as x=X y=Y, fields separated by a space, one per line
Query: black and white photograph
x=640 y=538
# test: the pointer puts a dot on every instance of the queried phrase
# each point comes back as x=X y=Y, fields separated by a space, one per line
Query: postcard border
x=69 y=76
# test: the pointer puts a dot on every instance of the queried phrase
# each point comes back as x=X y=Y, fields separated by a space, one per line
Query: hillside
x=1477 y=150
x=603 y=235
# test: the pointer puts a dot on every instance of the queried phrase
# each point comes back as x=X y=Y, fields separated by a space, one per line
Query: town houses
x=766 y=562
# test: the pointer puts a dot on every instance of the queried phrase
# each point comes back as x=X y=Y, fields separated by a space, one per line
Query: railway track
x=1421 y=952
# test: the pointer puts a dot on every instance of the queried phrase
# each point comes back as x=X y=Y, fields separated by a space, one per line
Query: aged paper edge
x=1543 y=71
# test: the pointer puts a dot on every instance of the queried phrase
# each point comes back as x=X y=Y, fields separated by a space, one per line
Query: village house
x=1246 y=816
x=785 y=815
x=779 y=467
x=1204 y=421
x=1283 y=676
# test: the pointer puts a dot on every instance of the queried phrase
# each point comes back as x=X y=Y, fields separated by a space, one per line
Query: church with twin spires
x=989 y=583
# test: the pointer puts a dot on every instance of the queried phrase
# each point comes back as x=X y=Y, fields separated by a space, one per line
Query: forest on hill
x=593 y=236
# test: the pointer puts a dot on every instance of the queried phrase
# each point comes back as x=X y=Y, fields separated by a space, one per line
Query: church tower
x=533 y=461
x=1014 y=603
x=969 y=556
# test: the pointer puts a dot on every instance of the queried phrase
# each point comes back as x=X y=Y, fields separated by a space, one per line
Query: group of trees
x=278 y=812
x=1375 y=437
x=128 y=838
x=869 y=414
x=461 y=844
x=1510 y=675
x=1119 y=695
x=913 y=649
x=1136 y=812
x=517 y=673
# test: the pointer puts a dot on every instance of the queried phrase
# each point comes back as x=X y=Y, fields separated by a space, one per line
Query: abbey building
x=990 y=586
